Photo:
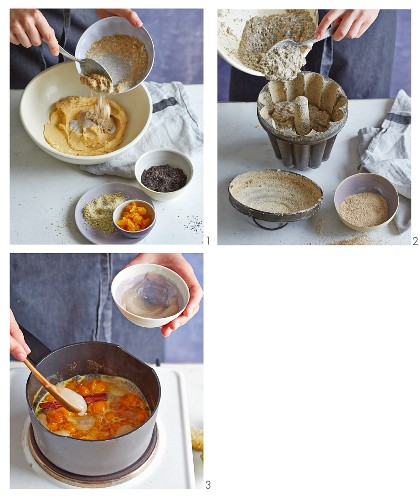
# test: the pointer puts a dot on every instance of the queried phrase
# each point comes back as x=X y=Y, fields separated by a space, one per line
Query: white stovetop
x=171 y=467
x=244 y=145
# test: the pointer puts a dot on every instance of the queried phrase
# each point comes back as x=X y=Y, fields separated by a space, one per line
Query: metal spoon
x=281 y=45
x=87 y=66
x=69 y=399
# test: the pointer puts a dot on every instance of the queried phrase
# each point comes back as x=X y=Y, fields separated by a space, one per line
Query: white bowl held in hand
x=62 y=80
x=129 y=273
x=111 y=26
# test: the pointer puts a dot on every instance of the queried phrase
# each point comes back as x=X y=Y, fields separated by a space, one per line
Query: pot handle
x=38 y=349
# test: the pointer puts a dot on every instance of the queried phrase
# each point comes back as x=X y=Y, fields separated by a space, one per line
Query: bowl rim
x=367 y=228
x=53 y=151
x=113 y=292
x=118 y=19
x=141 y=231
x=168 y=150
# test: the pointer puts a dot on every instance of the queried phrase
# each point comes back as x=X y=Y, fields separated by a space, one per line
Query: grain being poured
x=124 y=57
x=284 y=63
x=274 y=191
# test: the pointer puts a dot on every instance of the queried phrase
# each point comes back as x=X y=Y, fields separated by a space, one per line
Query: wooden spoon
x=69 y=399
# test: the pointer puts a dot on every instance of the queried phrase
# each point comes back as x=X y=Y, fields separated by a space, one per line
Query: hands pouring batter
x=350 y=57
x=28 y=27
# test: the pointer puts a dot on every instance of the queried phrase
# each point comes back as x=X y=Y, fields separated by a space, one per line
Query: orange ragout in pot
x=115 y=406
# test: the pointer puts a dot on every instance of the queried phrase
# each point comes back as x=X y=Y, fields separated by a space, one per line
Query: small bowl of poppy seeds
x=163 y=174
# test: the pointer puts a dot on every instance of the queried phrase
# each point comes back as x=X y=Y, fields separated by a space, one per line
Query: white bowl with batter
x=62 y=80
x=129 y=276
x=230 y=25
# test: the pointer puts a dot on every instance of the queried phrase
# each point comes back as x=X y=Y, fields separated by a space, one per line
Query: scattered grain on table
x=357 y=240
x=320 y=223
x=194 y=224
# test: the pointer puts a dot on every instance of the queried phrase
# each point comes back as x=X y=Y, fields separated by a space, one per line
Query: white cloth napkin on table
x=387 y=151
x=174 y=125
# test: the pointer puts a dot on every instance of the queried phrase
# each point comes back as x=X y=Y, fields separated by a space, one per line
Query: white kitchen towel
x=174 y=125
x=387 y=151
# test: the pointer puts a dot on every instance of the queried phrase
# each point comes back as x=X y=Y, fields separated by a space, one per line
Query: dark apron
x=362 y=66
x=66 y=298
x=68 y=25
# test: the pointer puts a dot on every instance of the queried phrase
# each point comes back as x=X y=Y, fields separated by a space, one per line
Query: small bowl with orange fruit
x=134 y=218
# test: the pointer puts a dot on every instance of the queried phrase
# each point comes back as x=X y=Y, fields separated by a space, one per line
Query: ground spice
x=164 y=178
x=98 y=212
x=364 y=209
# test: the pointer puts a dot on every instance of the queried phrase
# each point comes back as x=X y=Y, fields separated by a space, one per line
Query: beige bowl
x=131 y=272
x=62 y=80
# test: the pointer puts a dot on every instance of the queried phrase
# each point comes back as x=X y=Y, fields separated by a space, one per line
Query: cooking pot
x=96 y=457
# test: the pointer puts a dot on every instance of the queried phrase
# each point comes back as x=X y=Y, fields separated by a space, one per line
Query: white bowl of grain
x=62 y=80
x=366 y=202
x=109 y=27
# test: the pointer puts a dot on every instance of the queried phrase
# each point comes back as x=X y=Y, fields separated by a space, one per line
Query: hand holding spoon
x=69 y=399
x=307 y=43
x=87 y=66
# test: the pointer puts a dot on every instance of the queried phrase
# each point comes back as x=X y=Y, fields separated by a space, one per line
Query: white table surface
x=44 y=192
x=243 y=145
x=193 y=376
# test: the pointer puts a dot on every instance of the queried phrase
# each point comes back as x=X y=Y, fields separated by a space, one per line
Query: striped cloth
x=387 y=151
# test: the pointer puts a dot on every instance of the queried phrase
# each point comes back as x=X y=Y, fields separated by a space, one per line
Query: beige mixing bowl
x=62 y=80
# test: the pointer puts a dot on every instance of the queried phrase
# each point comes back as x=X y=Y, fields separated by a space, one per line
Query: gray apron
x=362 y=66
x=65 y=298
x=68 y=25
